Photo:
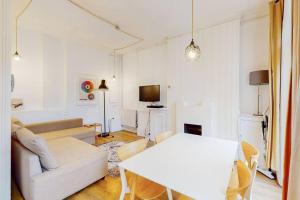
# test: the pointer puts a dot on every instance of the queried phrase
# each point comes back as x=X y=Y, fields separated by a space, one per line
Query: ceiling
x=152 y=20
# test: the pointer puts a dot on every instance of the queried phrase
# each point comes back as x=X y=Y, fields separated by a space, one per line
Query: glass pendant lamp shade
x=192 y=51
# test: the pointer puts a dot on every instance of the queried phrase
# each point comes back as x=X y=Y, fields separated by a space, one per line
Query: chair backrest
x=244 y=176
x=132 y=148
x=251 y=154
x=163 y=136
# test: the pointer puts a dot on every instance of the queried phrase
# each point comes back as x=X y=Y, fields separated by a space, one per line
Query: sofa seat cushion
x=80 y=164
x=79 y=133
x=68 y=151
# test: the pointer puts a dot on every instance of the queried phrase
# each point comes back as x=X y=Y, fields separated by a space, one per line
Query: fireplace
x=194 y=129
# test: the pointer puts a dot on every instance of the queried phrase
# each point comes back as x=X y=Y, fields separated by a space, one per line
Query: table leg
x=169 y=192
x=125 y=188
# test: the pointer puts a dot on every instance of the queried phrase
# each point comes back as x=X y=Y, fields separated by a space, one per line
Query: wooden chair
x=251 y=155
x=163 y=136
x=244 y=181
x=139 y=186
x=132 y=148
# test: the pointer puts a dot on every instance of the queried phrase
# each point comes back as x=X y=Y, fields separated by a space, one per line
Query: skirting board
x=130 y=129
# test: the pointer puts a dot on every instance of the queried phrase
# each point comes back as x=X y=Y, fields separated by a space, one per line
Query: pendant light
x=192 y=51
x=16 y=55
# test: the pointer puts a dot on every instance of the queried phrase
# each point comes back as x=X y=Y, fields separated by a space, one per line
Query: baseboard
x=130 y=129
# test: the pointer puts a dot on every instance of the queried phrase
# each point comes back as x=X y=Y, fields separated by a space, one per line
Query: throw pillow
x=37 y=145
x=14 y=128
x=17 y=122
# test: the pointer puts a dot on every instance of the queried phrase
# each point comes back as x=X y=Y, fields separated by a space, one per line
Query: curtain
x=275 y=43
x=292 y=155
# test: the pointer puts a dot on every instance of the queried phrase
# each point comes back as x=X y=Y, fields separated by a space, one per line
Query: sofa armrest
x=55 y=125
x=25 y=165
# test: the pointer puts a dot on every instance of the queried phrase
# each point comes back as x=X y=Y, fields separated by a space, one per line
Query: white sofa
x=80 y=164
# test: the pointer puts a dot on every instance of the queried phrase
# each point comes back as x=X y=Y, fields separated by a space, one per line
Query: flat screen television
x=149 y=93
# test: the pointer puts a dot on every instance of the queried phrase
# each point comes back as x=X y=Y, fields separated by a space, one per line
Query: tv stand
x=155 y=106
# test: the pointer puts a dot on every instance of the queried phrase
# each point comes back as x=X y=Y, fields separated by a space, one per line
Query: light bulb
x=191 y=54
x=192 y=51
x=16 y=56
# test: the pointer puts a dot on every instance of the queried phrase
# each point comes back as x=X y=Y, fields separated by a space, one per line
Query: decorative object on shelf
x=192 y=51
x=86 y=87
x=16 y=104
x=16 y=55
x=103 y=87
x=258 y=78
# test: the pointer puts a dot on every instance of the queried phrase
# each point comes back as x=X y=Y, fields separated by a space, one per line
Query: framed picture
x=86 y=90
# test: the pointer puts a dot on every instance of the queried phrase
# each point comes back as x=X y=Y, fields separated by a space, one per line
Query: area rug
x=113 y=159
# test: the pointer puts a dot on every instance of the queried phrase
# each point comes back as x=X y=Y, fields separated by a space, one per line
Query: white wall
x=254 y=56
x=5 y=136
x=144 y=67
x=228 y=51
x=210 y=86
x=47 y=77
x=28 y=71
x=207 y=92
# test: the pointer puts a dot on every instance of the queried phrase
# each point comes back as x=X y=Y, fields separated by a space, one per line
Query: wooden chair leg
x=132 y=188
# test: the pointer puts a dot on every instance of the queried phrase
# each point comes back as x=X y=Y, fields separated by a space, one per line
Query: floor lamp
x=258 y=78
x=104 y=88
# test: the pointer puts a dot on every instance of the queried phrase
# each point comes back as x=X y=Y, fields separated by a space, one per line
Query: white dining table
x=196 y=166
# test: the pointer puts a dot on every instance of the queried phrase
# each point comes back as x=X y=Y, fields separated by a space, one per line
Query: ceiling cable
x=17 y=21
x=139 y=39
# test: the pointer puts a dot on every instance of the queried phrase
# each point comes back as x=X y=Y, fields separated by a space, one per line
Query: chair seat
x=146 y=189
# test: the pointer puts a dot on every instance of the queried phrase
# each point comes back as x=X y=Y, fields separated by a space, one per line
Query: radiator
x=129 y=118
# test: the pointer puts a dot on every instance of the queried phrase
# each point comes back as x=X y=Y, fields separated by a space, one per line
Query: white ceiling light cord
x=139 y=39
x=17 y=28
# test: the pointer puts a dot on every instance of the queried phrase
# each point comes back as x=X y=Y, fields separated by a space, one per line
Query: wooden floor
x=110 y=188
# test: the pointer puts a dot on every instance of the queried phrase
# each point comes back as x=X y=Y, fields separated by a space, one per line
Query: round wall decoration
x=87 y=86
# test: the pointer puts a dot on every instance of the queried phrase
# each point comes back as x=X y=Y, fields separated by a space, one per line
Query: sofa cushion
x=14 y=128
x=37 y=145
x=79 y=133
x=69 y=151
x=43 y=127
x=80 y=165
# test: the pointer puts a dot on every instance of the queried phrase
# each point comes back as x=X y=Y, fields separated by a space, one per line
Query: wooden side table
x=95 y=125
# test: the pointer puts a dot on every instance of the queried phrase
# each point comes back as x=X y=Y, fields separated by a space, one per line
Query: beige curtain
x=275 y=43
x=293 y=172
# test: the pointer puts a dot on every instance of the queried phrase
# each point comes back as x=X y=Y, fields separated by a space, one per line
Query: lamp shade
x=103 y=86
x=260 y=77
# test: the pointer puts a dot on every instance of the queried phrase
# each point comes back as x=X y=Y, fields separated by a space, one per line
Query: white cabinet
x=152 y=121
x=250 y=130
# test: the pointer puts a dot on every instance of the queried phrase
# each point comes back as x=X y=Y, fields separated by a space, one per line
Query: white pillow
x=17 y=122
x=37 y=145
x=14 y=128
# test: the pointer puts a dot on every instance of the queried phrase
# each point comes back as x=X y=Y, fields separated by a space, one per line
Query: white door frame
x=5 y=67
